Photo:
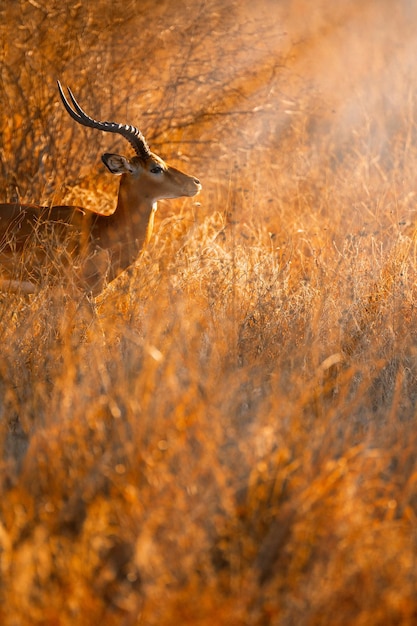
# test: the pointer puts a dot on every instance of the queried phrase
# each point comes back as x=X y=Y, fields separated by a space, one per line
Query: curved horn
x=131 y=133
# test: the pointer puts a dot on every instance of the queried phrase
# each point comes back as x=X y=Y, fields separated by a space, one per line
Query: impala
x=102 y=246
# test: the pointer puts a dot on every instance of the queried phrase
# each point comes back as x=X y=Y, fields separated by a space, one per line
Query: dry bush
x=227 y=433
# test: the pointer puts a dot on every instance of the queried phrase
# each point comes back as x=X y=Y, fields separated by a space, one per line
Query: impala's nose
x=194 y=186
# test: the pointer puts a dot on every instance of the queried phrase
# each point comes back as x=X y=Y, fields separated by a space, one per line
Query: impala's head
x=146 y=177
x=155 y=180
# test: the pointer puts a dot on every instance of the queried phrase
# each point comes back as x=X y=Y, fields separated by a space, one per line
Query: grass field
x=227 y=434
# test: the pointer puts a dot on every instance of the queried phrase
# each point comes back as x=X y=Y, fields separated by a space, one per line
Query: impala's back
x=38 y=243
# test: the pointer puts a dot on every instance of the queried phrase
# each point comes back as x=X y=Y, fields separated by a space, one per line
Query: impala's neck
x=133 y=217
x=129 y=228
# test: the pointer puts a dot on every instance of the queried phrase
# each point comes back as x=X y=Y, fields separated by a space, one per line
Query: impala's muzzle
x=195 y=187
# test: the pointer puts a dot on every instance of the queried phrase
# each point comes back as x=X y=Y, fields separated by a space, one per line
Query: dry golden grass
x=227 y=434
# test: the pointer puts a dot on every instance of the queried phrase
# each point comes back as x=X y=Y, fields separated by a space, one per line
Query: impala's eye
x=157 y=169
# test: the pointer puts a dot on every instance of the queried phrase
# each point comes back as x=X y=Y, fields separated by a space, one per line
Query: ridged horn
x=131 y=133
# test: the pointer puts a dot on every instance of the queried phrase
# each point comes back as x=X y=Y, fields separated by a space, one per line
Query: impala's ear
x=117 y=164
